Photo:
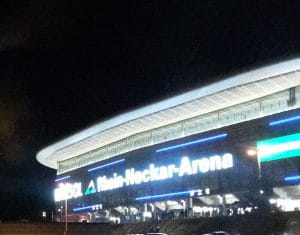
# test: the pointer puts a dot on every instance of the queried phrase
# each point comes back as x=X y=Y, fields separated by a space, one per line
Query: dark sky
x=65 y=65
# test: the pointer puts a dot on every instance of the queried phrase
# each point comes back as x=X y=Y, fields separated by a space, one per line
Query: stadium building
x=228 y=148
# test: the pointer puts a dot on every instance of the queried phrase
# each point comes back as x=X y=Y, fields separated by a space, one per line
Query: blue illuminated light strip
x=215 y=137
x=62 y=178
x=106 y=165
x=284 y=121
x=164 y=195
x=292 y=178
x=84 y=208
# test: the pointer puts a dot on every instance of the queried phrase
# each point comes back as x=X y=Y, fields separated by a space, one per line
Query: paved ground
x=248 y=224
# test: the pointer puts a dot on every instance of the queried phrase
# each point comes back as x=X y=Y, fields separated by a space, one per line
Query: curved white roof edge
x=237 y=80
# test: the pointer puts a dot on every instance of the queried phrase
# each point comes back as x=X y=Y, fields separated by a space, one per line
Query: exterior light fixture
x=251 y=152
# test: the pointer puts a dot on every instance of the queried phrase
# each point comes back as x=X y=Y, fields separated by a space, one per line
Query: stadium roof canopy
x=228 y=92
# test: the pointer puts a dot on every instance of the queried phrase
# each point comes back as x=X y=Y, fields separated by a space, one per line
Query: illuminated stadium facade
x=218 y=150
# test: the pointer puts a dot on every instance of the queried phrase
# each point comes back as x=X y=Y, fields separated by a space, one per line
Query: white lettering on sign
x=67 y=191
x=155 y=173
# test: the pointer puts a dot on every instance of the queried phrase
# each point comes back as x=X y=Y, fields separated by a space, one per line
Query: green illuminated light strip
x=279 y=148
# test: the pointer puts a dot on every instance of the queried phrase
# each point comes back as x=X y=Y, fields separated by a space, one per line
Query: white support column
x=145 y=211
x=189 y=207
x=223 y=204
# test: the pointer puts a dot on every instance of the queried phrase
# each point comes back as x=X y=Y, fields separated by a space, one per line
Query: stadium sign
x=152 y=173
x=158 y=173
x=67 y=191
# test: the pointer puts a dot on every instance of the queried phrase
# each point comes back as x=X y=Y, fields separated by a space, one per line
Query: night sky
x=65 y=65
